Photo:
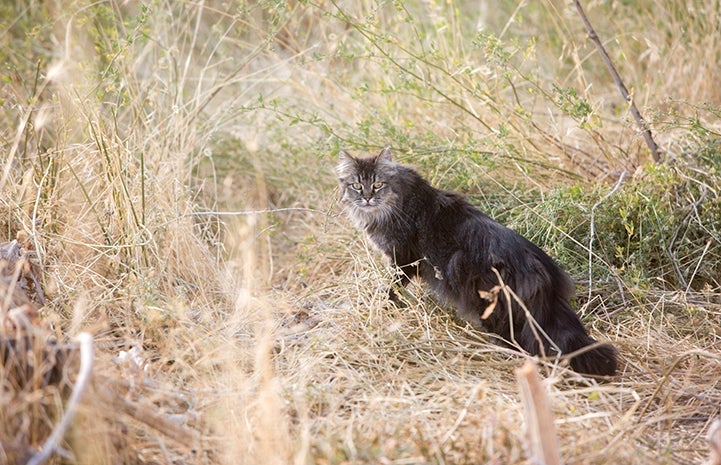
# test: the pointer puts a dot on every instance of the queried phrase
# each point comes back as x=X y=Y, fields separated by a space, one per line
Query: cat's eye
x=378 y=185
x=356 y=186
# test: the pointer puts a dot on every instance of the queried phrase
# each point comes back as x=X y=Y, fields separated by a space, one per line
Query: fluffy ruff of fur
x=459 y=251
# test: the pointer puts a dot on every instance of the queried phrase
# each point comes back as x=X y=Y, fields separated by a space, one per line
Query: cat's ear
x=345 y=157
x=385 y=155
x=346 y=164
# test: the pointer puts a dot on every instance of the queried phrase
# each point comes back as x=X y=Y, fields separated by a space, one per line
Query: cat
x=467 y=258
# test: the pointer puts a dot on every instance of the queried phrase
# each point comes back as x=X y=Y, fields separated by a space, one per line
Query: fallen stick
x=541 y=432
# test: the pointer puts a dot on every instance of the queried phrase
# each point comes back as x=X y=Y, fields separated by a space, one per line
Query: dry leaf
x=492 y=297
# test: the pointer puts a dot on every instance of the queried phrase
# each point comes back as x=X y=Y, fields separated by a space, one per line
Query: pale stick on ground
x=541 y=432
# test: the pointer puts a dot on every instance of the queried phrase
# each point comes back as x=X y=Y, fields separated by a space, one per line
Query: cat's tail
x=564 y=328
x=589 y=357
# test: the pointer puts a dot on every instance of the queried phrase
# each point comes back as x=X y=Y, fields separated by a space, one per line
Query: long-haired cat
x=467 y=258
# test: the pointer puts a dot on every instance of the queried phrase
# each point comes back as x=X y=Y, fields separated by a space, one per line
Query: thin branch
x=652 y=146
x=536 y=328
x=86 y=366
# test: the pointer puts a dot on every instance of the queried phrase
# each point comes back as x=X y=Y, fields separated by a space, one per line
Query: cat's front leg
x=403 y=277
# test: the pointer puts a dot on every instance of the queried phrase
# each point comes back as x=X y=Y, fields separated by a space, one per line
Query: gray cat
x=461 y=253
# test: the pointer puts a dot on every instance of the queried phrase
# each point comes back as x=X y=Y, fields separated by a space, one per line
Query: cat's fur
x=458 y=250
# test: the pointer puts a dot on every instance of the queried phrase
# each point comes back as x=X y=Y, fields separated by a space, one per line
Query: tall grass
x=172 y=164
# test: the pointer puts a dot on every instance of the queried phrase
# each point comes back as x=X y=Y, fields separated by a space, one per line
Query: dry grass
x=267 y=337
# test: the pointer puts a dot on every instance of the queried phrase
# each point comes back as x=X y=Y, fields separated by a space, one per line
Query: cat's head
x=367 y=186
